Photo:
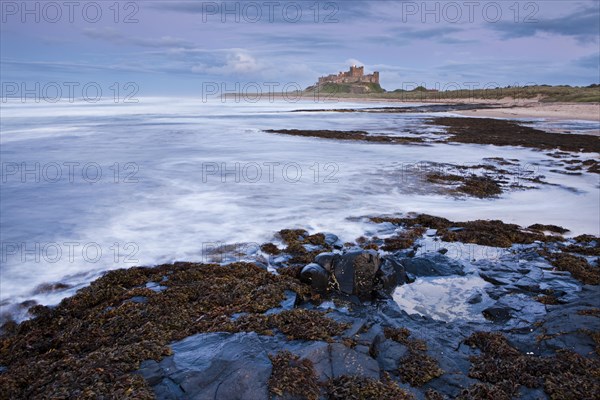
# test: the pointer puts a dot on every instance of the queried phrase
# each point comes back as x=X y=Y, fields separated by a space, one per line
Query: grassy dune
x=588 y=94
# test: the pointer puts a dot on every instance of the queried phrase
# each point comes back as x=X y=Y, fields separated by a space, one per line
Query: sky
x=185 y=48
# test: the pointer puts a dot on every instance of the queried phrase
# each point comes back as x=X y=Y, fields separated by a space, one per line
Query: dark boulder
x=316 y=276
x=326 y=260
x=355 y=272
x=392 y=274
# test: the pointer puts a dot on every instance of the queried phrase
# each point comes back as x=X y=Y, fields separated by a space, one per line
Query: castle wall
x=354 y=75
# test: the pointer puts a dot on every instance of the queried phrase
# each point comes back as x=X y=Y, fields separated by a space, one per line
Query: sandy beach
x=508 y=107
x=579 y=111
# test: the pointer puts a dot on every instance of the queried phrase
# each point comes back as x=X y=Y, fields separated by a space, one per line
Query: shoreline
x=508 y=107
x=343 y=311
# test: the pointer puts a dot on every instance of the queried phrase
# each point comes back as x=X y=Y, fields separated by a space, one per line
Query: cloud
x=235 y=63
x=406 y=35
x=583 y=25
x=112 y=35
x=354 y=61
x=592 y=61
x=427 y=34
x=67 y=66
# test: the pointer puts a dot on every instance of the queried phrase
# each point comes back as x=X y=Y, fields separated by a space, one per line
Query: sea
x=90 y=187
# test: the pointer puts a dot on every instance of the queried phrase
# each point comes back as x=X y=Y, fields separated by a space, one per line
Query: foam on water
x=175 y=208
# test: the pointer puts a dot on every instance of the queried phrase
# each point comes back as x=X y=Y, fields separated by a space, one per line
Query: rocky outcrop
x=212 y=366
x=239 y=331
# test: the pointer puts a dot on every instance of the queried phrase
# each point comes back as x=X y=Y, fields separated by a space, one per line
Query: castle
x=355 y=75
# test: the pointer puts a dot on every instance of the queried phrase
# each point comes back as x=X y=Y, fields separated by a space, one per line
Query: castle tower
x=356 y=72
x=376 y=77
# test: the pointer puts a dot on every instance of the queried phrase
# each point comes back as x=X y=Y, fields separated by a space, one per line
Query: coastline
x=508 y=107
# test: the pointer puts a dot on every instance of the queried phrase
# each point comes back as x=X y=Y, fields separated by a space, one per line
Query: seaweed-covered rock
x=355 y=272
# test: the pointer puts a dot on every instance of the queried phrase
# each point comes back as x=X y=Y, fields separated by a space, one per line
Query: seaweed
x=501 y=132
x=550 y=228
x=416 y=368
x=480 y=186
x=504 y=369
x=293 y=377
x=361 y=388
x=484 y=232
x=295 y=240
x=91 y=344
x=403 y=240
x=577 y=266
x=270 y=248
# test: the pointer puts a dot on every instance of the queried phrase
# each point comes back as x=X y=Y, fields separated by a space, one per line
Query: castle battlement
x=354 y=75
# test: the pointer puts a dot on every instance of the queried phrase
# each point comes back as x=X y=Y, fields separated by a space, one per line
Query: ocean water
x=92 y=187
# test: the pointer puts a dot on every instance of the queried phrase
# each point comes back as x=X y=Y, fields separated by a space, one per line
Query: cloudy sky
x=176 y=47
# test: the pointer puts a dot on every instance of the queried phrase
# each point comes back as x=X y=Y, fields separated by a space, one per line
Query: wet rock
x=372 y=338
x=432 y=265
x=50 y=287
x=287 y=304
x=392 y=273
x=333 y=241
x=494 y=278
x=213 y=366
x=155 y=287
x=316 y=276
x=312 y=247
x=498 y=315
x=355 y=328
x=475 y=298
x=326 y=260
x=355 y=272
x=389 y=355
x=152 y=372
x=388 y=277
x=335 y=360
x=346 y=361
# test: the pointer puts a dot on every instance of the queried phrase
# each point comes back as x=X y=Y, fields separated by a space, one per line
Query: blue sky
x=175 y=47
